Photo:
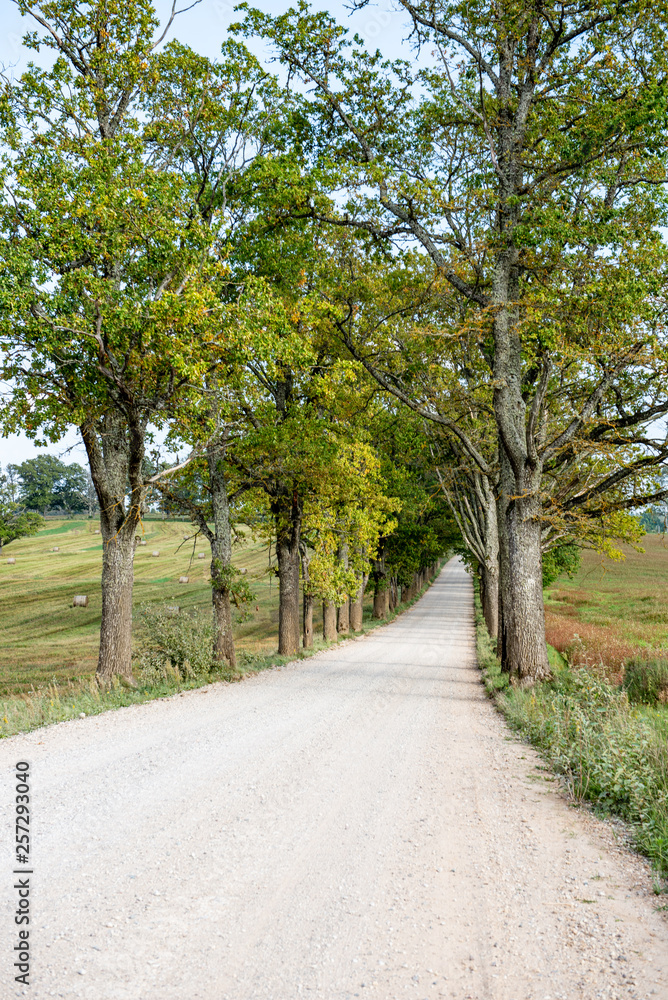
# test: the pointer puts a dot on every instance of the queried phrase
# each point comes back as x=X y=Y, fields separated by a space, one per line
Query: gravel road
x=359 y=824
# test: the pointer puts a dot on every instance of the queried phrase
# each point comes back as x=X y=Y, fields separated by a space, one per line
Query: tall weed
x=175 y=644
x=646 y=681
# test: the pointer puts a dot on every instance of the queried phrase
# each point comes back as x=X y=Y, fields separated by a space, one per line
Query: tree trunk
x=357 y=606
x=343 y=612
x=329 y=621
x=307 y=599
x=115 y=449
x=504 y=576
x=489 y=598
x=489 y=568
x=378 y=602
x=115 y=656
x=288 y=532
x=223 y=643
x=386 y=601
x=288 y=597
x=307 y=640
x=525 y=651
x=343 y=618
x=221 y=558
x=521 y=432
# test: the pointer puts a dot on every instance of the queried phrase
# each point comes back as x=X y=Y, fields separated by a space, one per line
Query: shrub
x=175 y=644
x=646 y=681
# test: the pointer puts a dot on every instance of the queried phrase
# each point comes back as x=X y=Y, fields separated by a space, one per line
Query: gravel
x=359 y=824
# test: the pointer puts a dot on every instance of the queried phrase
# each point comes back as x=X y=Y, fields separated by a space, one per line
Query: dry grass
x=610 y=612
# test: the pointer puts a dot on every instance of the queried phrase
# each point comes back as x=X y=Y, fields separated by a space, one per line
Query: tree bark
x=343 y=618
x=525 y=650
x=489 y=598
x=115 y=448
x=221 y=558
x=357 y=606
x=307 y=599
x=329 y=621
x=223 y=642
x=115 y=656
x=343 y=612
x=378 y=602
x=288 y=515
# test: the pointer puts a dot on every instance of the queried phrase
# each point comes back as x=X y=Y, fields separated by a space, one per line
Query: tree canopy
x=384 y=307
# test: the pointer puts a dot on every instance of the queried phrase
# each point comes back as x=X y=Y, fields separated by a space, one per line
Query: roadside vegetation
x=602 y=724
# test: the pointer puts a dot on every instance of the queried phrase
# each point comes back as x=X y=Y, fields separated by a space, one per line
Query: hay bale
x=11 y=561
x=184 y=579
x=172 y=610
x=97 y=531
x=186 y=537
x=200 y=555
x=155 y=554
x=55 y=549
x=80 y=601
x=243 y=571
x=143 y=541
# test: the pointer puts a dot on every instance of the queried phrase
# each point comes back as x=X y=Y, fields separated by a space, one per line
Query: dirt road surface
x=360 y=824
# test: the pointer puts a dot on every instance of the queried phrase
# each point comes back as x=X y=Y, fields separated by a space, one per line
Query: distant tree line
x=45 y=484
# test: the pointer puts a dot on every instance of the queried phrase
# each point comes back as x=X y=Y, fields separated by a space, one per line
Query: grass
x=611 y=612
x=45 y=638
x=610 y=751
x=49 y=650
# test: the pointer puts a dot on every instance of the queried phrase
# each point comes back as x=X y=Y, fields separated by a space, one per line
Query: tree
x=113 y=309
x=15 y=520
x=71 y=490
x=525 y=171
x=37 y=479
x=47 y=482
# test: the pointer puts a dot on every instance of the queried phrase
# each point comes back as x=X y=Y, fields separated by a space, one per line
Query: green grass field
x=44 y=637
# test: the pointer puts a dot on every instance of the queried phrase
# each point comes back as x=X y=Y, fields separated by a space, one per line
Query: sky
x=203 y=28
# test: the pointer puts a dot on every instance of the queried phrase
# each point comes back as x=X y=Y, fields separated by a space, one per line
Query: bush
x=175 y=644
x=646 y=681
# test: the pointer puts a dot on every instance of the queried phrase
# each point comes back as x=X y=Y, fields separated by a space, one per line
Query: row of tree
x=362 y=301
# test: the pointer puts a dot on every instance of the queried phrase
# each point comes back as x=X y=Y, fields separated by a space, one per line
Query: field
x=611 y=611
x=44 y=637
